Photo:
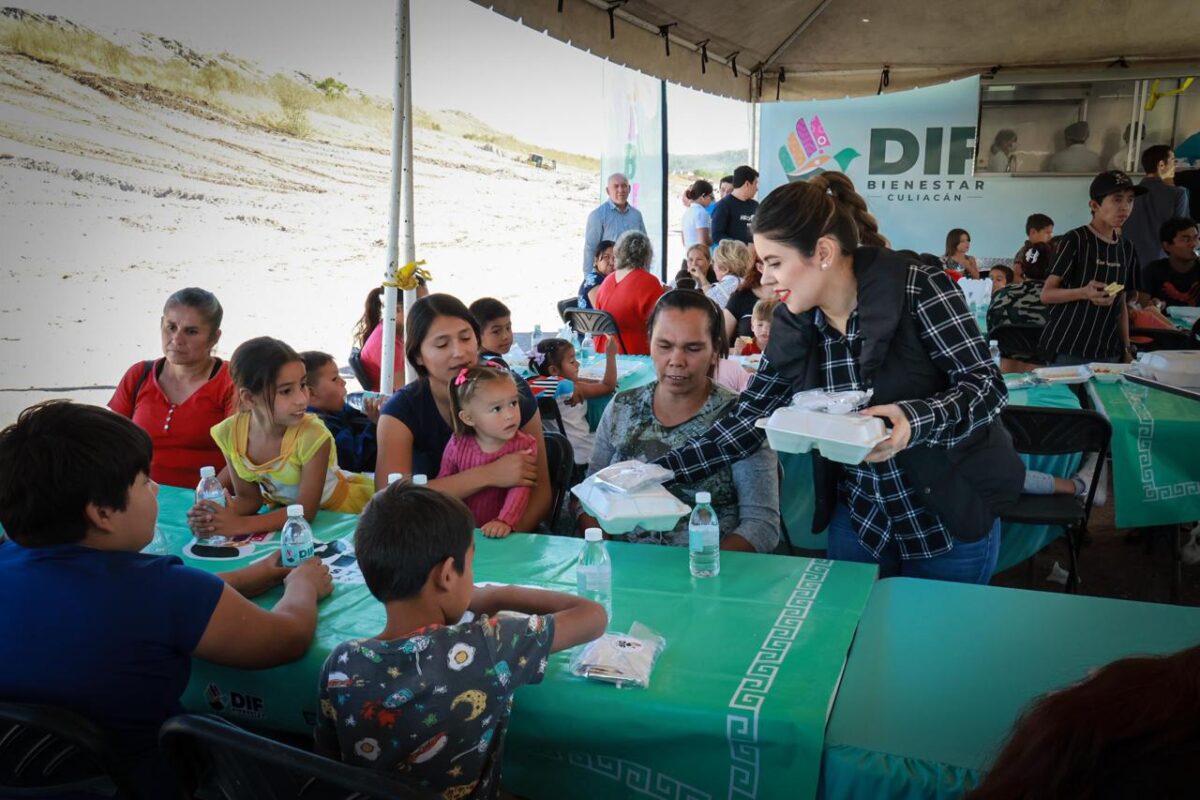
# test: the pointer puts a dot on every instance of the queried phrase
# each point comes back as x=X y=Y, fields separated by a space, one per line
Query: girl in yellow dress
x=278 y=453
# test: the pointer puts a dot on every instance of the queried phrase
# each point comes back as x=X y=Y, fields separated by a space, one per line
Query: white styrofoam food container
x=652 y=509
x=1187 y=314
x=1064 y=375
x=1176 y=367
x=845 y=438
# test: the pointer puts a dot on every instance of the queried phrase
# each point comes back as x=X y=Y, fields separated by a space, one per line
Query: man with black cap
x=731 y=216
x=1077 y=157
x=1094 y=271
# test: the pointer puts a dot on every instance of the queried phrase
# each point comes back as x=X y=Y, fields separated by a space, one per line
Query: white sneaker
x=1085 y=474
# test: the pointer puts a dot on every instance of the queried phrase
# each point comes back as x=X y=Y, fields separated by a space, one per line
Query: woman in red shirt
x=630 y=292
x=178 y=398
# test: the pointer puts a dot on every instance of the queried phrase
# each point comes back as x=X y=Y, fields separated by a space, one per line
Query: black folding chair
x=1196 y=333
x=560 y=457
x=566 y=305
x=246 y=766
x=1058 y=431
x=548 y=406
x=360 y=372
x=593 y=321
x=1019 y=342
x=785 y=537
x=51 y=752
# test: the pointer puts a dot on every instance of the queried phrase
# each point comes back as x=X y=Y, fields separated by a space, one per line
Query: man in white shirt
x=1077 y=157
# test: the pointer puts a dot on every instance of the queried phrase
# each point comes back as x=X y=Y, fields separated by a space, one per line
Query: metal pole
x=399 y=83
x=666 y=175
x=1133 y=111
x=406 y=179
x=1141 y=127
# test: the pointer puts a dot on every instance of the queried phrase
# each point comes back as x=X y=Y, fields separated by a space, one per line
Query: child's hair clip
x=540 y=358
x=462 y=376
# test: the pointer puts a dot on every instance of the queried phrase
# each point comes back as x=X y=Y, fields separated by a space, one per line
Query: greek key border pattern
x=741 y=723
x=1151 y=491
x=631 y=775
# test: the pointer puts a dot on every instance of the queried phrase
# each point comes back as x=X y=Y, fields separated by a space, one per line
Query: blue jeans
x=966 y=562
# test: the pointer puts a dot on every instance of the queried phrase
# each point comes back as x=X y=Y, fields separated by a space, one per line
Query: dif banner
x=910 y=154
x=633 y=145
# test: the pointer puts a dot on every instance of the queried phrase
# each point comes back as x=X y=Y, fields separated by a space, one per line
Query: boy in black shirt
x=1039 y=229
x=1175 y=280
x=1093 y=269
x=731 y=215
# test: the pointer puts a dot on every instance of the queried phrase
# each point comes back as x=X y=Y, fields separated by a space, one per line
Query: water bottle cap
x=994 y=342
x=296 y=510
x=208 y=472
x=420 y=480
x=593 y=535
x=703 y=497
x=395 y=476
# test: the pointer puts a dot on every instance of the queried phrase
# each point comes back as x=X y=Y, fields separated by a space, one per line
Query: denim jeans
x=966 y=562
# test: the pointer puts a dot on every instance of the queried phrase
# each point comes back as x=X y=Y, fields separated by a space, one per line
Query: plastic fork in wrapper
x=831 y=402
x=619 y=658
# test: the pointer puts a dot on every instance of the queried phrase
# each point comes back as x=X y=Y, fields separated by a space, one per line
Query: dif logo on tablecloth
x=243 y=705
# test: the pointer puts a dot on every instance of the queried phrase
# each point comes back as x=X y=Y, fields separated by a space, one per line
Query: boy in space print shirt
x=435 y=704
x=430 y=696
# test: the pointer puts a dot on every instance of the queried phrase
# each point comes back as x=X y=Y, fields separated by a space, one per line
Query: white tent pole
x=1141 y=127
x=399 y=85
x=406 y=176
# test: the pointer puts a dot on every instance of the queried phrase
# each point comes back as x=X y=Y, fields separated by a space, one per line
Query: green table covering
x=737 y=705
x=940 y=671
x=1155 y=453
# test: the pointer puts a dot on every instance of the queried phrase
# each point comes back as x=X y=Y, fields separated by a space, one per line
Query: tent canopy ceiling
x=831 y=48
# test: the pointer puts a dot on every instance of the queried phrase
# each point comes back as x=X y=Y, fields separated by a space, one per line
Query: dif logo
x=244 y=705
x=896 y=151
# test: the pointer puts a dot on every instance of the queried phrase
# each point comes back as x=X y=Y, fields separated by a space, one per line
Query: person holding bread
x=1094 y=269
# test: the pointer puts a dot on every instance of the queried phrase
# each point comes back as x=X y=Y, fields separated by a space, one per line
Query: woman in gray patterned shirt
x=647 y=422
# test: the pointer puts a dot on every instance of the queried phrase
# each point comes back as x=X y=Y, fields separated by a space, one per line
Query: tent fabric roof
x=833 y=48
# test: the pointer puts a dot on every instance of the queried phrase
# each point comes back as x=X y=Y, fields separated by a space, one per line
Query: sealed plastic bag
x=831 y=402
x=619 y=658
x=630 y=477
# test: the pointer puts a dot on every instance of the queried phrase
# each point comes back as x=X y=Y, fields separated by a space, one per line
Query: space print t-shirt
x=434 y=705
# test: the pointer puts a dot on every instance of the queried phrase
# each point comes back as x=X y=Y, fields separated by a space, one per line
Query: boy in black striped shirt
x=1093 y=269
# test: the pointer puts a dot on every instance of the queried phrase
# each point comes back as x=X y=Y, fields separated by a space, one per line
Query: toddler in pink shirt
x=486 y=416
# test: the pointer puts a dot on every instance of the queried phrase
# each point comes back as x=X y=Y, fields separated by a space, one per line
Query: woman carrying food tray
x=855 y=315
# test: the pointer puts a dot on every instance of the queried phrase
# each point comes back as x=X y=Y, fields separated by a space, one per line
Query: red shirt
x=372 y=356
x=180 y=433
x=630 y=302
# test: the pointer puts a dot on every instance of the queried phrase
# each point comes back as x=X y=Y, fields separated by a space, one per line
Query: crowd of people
x=805 y=280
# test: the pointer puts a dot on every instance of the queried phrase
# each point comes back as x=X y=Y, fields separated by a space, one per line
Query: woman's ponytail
x=372 y=316
x=798 y=214
x=842 y=190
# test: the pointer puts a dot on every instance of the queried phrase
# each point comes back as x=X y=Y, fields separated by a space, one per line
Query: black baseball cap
x=1113 y=181
x=743 y=175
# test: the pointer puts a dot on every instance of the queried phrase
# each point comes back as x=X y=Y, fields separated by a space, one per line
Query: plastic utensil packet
x=632 y=476
x=831 y=402
x=619 y=658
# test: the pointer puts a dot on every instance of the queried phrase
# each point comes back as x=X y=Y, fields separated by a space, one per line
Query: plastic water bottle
x=420 y=480
x=296 y=540
x=210 y=489
x=356 y=400
x=158 y=545
x=704 y=539
x=994 y=348
x=593 y=570
x=588 y=349
x=537 y=337
x=395 y=476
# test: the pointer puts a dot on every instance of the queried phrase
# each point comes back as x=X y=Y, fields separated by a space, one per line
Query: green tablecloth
x=1155 y=453
x=940 y=671
x=737 y=705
